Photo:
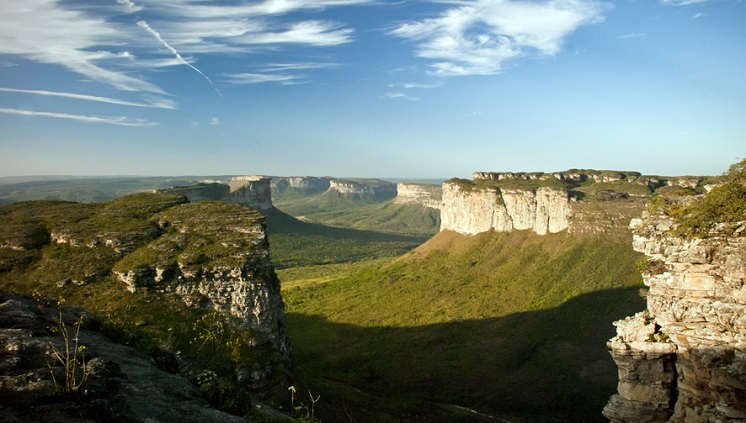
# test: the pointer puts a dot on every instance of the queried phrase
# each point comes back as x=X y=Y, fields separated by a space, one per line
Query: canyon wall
x=420 y=194
x=309 y=184
x=378 y=189
x=252 y=191
x=468 y=209
x=683 y=359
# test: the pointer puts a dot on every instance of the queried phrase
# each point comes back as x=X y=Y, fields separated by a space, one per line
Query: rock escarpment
x=211 y=256
x=470 y=210
x=307 y=184
x=252 y=191
x=376 y=188
x=423 y=194
x=684 y=358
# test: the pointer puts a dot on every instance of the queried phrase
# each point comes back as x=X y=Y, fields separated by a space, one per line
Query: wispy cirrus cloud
x=154 y=103
x=681 y=2
x=631 y=35
x=261 y=78
x=475 y=37
x=118 y=120
x=399 y=95
x=44 y=31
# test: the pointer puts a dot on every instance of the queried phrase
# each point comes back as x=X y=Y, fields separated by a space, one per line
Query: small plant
x=72 y=355
x=308 y=415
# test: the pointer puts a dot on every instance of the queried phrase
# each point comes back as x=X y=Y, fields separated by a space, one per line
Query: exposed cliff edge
x=253 y=191
x=192 y=259
x=471 y=210
x=579 y=201
x=684 y=358
x=426 y=195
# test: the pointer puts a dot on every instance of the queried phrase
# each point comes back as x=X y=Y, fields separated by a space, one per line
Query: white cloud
x=681 y=2
x=157 y=103
x=399 y=95
x=46 y=32
x=214 y=120
x=119 y=120
x=698 y=15
x=631 y=35
x=475 y=37
x=259 y=78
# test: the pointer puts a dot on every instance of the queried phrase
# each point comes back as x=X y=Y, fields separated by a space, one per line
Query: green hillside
x=363 y=212
x=504 y=324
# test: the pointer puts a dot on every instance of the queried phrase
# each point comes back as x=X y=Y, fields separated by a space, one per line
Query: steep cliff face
x=252 y=191
x=471 y=210
x=378 y=189
x=207 y=255
x=684 y=358
x=308 y=184
x=422 y=194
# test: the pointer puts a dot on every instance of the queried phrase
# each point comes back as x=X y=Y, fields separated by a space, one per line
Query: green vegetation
x=295 y=243
x=724 y=204
x=502 y=323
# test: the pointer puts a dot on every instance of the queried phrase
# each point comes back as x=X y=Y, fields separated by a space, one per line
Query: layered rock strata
x=309 y=184
x=421 y=194
x=214 y=256
x=253 y=191
x=684 y=358
x=471 y=210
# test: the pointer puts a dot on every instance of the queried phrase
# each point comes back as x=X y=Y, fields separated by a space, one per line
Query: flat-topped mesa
x=310 y=184
x=426 y=195
x=470 y=209
x=379 y=189
x=252 y=191
x=684 y=358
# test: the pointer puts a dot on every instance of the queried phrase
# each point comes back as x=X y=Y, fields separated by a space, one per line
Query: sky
x=370 y=88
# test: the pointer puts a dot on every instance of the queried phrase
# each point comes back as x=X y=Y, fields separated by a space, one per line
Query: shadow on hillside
x=296 y=243
x=279 y=222
x=546 y=365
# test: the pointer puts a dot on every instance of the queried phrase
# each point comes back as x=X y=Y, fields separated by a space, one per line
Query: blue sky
x=370 y=88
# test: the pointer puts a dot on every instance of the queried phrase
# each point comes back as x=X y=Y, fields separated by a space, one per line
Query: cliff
x=252 y=191
x=307 y=184
x=191 y=259
x=422 y=194
x=684 y=358
x=375 y=188
x=470 y=209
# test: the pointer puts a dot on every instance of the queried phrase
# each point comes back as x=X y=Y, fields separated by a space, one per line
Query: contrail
x=144 y=25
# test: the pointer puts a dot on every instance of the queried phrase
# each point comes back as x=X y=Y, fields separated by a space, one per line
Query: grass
x=503 y=323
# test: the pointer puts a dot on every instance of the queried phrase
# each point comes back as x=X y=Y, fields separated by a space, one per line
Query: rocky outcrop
x=684 y=358
x=308 y=184
x=470 y=210
x=377 y=189
x=252 y=191
x=122 y=384
x=426 y=195
x=215 y=257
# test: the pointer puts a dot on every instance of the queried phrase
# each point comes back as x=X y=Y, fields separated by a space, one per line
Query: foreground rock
x=684 y=358
x=124 y=384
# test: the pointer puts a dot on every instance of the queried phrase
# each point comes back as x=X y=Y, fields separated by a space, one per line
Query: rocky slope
x=684 y=358
x=192 y=258
x=121 y=383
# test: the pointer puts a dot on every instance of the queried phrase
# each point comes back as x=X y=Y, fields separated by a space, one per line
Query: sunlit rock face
x=684 y=358
x=215 y=256
x=377 y=189
x=421 y=194
x=475 y=210
x=252 y=191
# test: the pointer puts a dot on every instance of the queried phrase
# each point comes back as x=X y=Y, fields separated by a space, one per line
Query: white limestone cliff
x=423 y=194
x=471 y=210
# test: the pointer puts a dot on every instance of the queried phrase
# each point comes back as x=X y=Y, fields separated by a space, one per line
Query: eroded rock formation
x=378 y=189
x=423 y=194
x=253 y=191
x=471 y=210
x=684 y=358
